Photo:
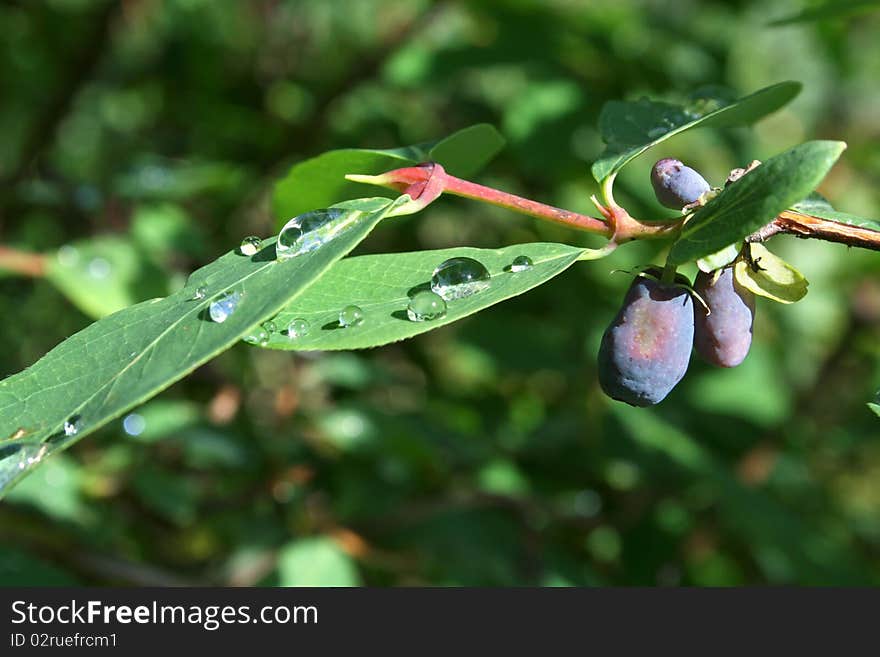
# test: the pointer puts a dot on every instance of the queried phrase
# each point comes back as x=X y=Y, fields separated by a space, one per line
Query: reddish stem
x=467 y=189
x=22 y=262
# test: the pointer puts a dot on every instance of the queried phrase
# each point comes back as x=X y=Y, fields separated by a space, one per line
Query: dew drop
x=223 y=306
x=72 y=425
x=521 y=263
x=425 y=306
x=250 y=245
x=309 y=231
x=68 y=255
x=297 y=328
x=134 y=424
x=260 y=336
x=200 y=293
x=351 y=316
x=99 y=268
x=270 y=326
x=457 y=278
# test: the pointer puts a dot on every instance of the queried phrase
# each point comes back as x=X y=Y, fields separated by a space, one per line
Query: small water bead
x=260 y=337
x=99 y=268
x=134 y=424
x=521 y=263
x=297 y=328
x=270 y=326
x=200 y=293
x=250 y=245
x=457 y=278
x=223 y=306
x=309 y=231
x=425 y=306
x=351 y=316
x=72 y=425
x=68 y=255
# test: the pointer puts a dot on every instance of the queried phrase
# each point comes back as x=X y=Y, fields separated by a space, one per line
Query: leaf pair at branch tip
x=321 y=181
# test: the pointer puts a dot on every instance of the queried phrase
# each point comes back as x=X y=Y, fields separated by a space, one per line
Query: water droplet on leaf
x=270 y=326
x=223 y=306
x=309 y=231
x=351 y=316
x=457 y=278
x=72 y=425
x=250 y=245
x=297 y=328
x=68 y=255
x=260 y=336
x=521 y=263
x=134 y=424
x=200 y=293
x=425 y=306
x=99 y=268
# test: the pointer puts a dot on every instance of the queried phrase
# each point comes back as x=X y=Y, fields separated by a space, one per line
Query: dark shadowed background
x=482 y=453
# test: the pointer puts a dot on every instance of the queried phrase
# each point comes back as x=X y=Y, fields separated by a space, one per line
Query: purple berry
x=676 y=185
x=723 y=336
x=646 y=349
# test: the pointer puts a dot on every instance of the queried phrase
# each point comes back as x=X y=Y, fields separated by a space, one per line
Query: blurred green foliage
x=482 y=453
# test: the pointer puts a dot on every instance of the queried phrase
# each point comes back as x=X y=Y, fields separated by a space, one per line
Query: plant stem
x=617 y=224
x=22 y=262
x=809 y=227
x=467 y=189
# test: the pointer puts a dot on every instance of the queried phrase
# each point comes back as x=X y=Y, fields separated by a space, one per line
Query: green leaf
x=631 y=128
x=382 y=284
x=817 y=206
x=719 y=259
x=122 y=360
x=755 y=199
x=105 y=274
x=834 y=9
x=875 y=408
x=771 y=277
x=316 y=561
x=320 y=181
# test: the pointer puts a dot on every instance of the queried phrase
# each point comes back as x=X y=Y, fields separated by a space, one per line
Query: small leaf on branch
x=320 y=181
x=770 y=276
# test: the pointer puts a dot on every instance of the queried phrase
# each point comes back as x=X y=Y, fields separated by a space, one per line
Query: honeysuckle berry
x=676 y=185
x=723 y=329
x=645 y=351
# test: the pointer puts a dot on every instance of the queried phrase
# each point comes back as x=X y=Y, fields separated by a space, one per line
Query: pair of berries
x=646 y=350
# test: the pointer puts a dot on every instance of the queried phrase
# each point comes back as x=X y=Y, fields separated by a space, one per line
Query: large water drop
x=309 y=231
x=457 y=278
x=223 y=306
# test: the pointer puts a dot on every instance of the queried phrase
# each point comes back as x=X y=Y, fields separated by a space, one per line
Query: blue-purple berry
x=646 y=349
x=723 y=336
x=676 y=185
